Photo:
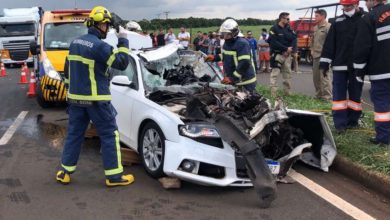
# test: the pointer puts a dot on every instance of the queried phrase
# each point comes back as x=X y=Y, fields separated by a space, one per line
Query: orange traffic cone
x=3 y=72
x=32 y=86
x=23 y=77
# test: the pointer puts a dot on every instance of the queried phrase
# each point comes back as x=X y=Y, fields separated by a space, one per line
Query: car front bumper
x=204 y=155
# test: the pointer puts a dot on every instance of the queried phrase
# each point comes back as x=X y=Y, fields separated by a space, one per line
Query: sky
x=150 y=9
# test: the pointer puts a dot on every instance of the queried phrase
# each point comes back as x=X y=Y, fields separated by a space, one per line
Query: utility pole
x=75 y=3
x=166 y=14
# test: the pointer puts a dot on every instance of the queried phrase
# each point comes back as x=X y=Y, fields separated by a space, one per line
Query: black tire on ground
x=309 y=58
x=152 y=149
x=41 y=101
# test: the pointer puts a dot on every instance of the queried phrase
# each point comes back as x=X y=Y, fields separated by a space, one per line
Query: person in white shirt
x=184 y=37
x=170 y=36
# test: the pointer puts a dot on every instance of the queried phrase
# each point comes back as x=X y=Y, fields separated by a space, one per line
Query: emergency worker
x=338 y=52
x=372 y=46
x=133 y=26
x=237 y=57
x=283 y=43
x=89 y=97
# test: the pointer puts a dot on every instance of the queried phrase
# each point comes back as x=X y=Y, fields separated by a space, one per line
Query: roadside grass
x=353 y=144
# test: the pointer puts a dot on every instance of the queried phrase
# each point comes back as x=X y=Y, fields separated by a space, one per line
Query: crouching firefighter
x=372 y=44
x=89 y=97
x=237 y=57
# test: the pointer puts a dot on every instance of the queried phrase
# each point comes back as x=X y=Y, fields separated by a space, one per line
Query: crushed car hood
x=277 y=130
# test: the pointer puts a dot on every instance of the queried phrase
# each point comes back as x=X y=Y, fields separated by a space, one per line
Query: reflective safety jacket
x=338 y=47
x=372 y=44
x=87 y=63
x=237 y=61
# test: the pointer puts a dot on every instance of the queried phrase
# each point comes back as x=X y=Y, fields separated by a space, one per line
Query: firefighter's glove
x=209 y=58
x=227 y=81
x=324 y=67
x=122 y=32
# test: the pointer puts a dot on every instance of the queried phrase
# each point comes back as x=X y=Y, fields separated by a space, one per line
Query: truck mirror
x=34 y=48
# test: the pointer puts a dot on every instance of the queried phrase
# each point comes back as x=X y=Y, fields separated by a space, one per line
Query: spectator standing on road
x=90 y=99
x=371 y=49
x=204 y=44
x=196 y=41
x=338 y=52
x=217 y=44
x=170 y=36
x=161 y=38
x=264 y=52
x=321 y=81
x=253 y=44
x=153 y=35
x=184 y=37
x=283 y=43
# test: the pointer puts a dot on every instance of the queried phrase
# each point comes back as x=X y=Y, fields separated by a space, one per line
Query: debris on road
x=170 y=183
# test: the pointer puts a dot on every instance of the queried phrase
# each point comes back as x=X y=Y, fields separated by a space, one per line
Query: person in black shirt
x=161 y=38
x=196 y=41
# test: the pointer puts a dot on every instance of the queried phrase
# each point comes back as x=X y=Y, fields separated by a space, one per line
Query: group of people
x=354 y=45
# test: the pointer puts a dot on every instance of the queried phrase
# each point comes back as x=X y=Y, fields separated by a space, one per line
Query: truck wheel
x=309 y=58
x=152 y=149
x=41 y=100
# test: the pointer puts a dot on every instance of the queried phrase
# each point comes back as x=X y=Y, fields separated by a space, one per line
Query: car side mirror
x=34 y=48
x=122 y=81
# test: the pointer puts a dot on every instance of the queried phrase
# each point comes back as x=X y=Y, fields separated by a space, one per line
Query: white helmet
x=133 y=26
x=230 y=26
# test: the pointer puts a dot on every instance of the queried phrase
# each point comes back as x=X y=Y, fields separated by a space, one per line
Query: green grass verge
x=354 y=144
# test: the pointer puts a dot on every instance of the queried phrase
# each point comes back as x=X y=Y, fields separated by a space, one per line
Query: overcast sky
x=149 y=9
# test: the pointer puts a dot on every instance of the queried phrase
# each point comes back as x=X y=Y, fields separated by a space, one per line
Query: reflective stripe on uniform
x=359 y=65
x=236 y=74
x=119 y=169
x=379 y=76
x=340 y=68
x=382 y=117
x=91 y=66
x=355 y=105
x=232 y=53
x=244 y=57
x=246 y=82
x=339 y=105
x=69 y=168
x=383 y=37
x=383 y=29
x=326 y=60
x=111 y=59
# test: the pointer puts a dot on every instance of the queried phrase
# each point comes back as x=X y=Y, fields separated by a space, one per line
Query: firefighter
x=133 y=26
x=372 y=45
x=338 y=52
x=89 y=97
x=237 y=57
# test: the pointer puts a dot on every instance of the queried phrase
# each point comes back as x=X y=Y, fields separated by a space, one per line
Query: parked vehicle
x=58 y=29
x=18 y=27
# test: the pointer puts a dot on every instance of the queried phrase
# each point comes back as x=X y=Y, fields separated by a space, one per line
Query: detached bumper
x=214 y=166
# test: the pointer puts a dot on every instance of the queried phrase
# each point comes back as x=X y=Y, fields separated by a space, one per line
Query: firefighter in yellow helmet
x=90 y=99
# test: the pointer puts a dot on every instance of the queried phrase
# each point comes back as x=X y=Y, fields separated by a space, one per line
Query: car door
x=123 y=101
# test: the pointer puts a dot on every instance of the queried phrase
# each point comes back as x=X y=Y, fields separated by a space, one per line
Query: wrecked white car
x=173 y=110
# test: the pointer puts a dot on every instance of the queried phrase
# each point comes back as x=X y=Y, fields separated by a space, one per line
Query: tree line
x=192 y=22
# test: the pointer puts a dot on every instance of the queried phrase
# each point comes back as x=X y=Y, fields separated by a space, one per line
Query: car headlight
x=199 y=130
x=49 y=70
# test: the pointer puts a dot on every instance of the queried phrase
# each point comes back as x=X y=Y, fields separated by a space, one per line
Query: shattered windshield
x=183 y=67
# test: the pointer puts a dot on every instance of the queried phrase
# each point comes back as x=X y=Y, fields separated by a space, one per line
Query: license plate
x=274 y=166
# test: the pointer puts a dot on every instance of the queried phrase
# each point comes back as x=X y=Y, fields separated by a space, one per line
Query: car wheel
x=41 y=100
x=152 y=149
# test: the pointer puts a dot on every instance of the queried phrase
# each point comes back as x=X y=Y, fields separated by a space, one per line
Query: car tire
x=40 y=99
x=152 y=149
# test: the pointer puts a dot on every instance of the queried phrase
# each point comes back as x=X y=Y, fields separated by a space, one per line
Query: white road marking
x=11 y=130
x=333 y=199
